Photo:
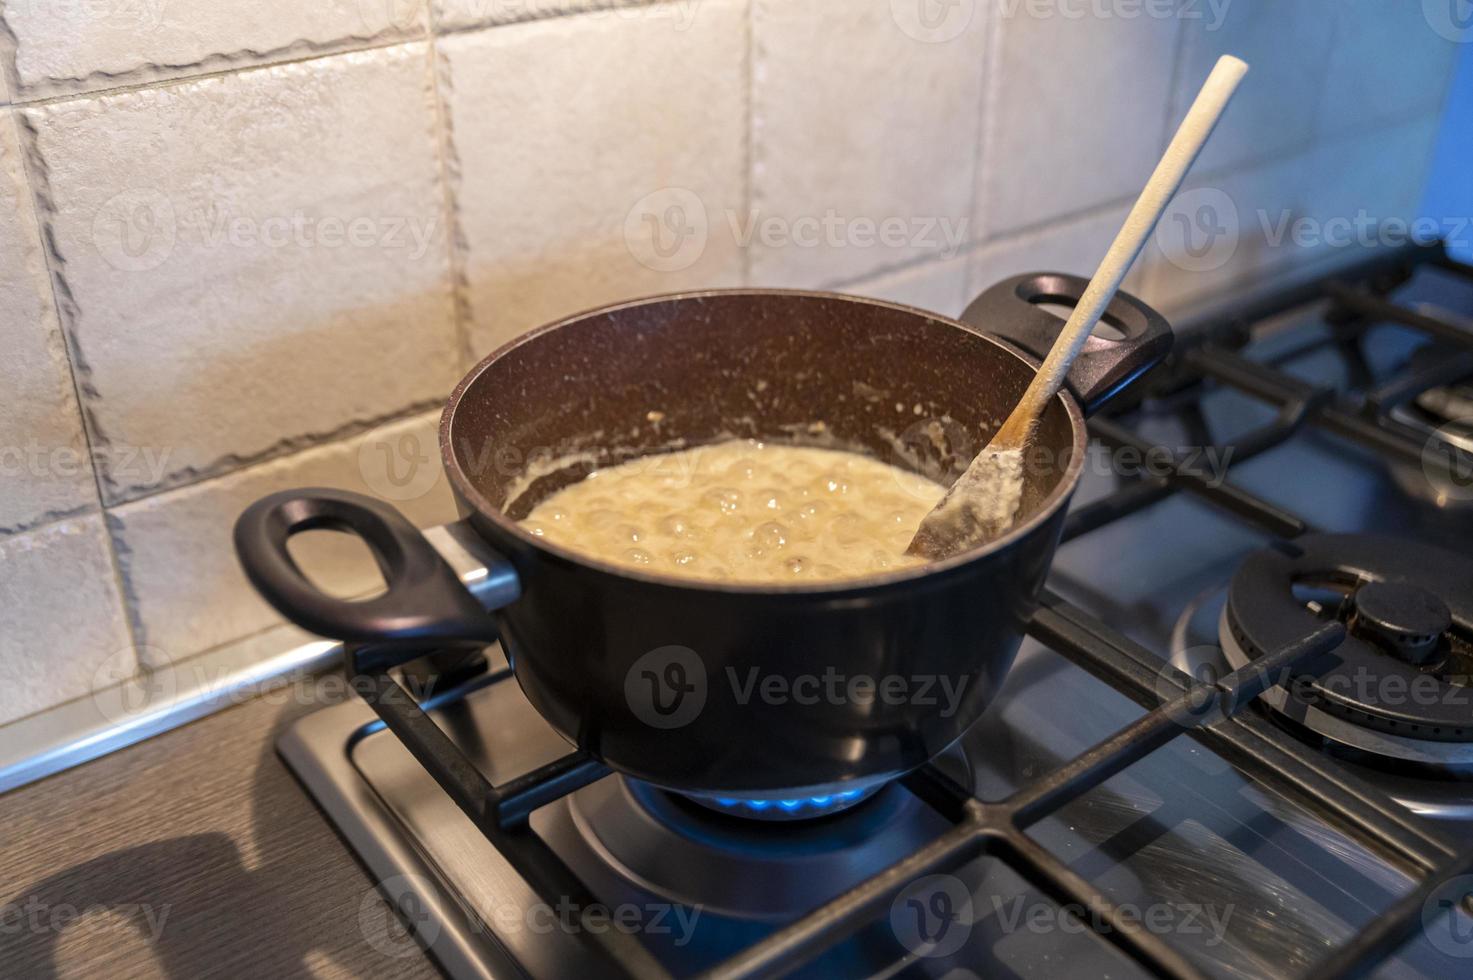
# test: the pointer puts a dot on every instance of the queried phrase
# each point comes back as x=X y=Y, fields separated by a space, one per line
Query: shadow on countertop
x=190 y=906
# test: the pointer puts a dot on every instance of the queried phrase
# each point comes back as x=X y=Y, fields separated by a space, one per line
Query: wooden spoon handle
x=1160 y=189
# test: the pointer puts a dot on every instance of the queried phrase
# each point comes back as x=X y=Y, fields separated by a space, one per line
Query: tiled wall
x=247 y=246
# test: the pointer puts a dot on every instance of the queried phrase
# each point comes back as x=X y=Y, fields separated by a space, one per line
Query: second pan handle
x=1011 y=310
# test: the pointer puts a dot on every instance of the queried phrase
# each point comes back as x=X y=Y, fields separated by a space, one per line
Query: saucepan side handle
x=424 y=607
x=1010 y=310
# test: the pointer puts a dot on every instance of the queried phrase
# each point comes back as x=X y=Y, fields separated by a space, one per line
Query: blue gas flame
x=798 y=805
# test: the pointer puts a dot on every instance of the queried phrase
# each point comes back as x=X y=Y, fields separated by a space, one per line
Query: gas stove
x=1237 y=743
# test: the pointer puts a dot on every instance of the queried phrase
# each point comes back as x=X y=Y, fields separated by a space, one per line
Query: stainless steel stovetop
x=1244 y=868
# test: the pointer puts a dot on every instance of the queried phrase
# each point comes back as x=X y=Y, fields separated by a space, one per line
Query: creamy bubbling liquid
x=743 y=511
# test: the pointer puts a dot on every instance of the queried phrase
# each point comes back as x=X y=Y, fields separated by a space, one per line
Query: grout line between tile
x=485 y=24
x=749 y=142
x=286 y=449
x=339 y=438
x=455 y=244
x=173 y=81
x=9 y=48
x=48 y=519
x=38 y=195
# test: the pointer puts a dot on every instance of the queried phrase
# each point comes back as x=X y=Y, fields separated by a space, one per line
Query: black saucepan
x=740 y=690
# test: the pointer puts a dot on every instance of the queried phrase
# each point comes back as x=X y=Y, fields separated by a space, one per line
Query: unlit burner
x=1399 y=687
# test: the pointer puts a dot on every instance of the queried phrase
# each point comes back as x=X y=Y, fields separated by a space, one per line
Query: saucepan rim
x=1056 y=498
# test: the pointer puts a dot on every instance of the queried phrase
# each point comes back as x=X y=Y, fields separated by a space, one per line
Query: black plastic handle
x=1010 y=310
x=425 y=606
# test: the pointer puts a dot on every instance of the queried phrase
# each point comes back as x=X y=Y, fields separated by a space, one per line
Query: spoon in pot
x=980 y=506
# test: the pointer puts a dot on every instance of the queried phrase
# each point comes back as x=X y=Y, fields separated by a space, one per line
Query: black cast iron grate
x=1213 y=713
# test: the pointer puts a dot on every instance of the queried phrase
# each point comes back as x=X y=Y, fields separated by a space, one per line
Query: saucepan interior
x=670 y=373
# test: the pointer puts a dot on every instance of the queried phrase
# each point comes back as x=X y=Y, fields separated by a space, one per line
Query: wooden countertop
x=193 y=854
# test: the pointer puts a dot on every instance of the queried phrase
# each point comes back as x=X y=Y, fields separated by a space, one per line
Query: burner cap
x=1405 y=620
x=1403 y=670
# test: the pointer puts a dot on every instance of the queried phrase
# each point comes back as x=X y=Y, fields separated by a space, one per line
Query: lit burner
x=787 y=808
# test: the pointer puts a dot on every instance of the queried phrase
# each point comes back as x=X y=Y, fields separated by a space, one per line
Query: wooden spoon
x=981 y=505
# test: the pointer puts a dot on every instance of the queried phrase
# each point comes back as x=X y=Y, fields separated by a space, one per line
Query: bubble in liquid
x=770 y=536
x=835 y=484
x=771 y=498
x=677 y=526
x=723 y=499
x=796 y=565
x=535 y=529
x=682 y=559
x=638 y=556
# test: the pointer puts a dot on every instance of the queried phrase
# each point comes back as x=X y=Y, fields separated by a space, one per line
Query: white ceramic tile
x=1229 y=232
x=457 y=14
x=63 y=46
x=864 y=137
x=1075 y=247
x=252 y=261
x=936 y=286
x=187 y=590
x=1392 y=60
x=1076 y=110
x=1287 y=47
x=596 y=160
x=44 y=466
x=61 y=620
